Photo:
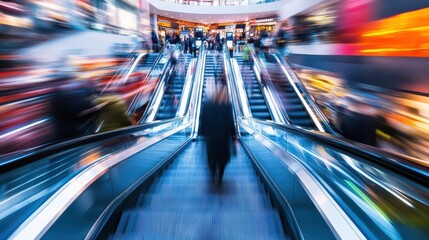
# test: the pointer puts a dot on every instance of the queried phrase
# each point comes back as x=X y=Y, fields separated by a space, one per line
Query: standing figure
x=72 y=108
x=217 y=128
x=185 y=45
x=155 y=41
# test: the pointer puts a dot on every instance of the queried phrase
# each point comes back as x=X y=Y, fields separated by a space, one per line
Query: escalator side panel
x=173 y=93
x=258 y=106
x=81 y=215
x=311 y=223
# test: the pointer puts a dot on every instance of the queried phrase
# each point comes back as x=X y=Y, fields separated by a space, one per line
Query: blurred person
x=251 y=40
x=173 y=61
x=257 y=45
x=112 y=113
x=182 y=67
x=217 y=38
x=155 y=41
x=177 y=39
x=358 y=123
x=246 y=56
x=246 y=76
x=168 y=38
x=72 y=108
x=191 y=44
x=282 y=39
x=217 y=128
x=185 y=45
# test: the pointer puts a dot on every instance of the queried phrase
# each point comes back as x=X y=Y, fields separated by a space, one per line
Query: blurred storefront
x=256 y=26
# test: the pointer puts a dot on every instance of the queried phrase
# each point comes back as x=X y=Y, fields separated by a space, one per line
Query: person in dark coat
x=72 y=108
x=217 y=38
x=217 y=128
x=185 y=45
x=155 y=41
x=178 y=39
x=191 y=44
x=358 y=126
x=168 y=38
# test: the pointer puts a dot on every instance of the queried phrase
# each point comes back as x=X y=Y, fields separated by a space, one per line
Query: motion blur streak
x=401 y=35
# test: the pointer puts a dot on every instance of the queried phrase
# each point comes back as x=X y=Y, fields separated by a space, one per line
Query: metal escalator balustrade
x=173 y=93
x=317 y=115
x=150 y=60
x=51 y=218
x=345 y=190
x=314 y=110
x=31 y=181
x=291 y=102
x=334 y=188
x=142 y=106
x=257 y=101
x=383 y=195
x=182 y=203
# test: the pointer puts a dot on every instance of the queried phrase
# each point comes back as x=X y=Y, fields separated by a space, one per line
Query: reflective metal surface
x=381 y=202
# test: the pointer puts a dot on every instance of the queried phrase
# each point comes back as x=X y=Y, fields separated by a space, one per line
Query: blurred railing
x=219 y=2
x=366 y=192
x=312 y=108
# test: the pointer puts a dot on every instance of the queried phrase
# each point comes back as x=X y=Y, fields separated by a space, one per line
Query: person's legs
x=211 y=159
x=221 y=172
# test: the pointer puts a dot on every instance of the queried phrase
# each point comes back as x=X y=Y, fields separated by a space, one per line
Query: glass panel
x=382 y=203
x=25 y=189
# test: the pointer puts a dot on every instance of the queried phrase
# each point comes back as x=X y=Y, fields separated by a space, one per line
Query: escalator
x=157 y=187
x=257 y=103
x=183 y=203
x=212 y=71
x=289 y=99
x=173 y=93
x=150 y=60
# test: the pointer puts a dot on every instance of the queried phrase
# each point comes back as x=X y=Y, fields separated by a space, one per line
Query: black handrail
x=400 y=164
x=29 y=157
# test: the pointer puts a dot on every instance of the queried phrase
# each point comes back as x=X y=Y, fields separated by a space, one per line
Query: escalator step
x=261 y=115
x=259 y=108
x=191 y=225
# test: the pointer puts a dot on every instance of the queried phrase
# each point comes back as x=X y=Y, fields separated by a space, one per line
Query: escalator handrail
x=232 y=89
x=305 y=98
x=148 y=76
x=45 y=216
x=187 y=90
x=267 y=94
x=155 y=100
x=25 y=157
x=123 y=67
x=200 y=69
x=282 y=118
x=233 y=94
x=238 y=84
x=401 y=164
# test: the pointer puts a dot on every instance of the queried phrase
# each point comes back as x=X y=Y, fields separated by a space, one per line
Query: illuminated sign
x=164 y=24
x=263 y=20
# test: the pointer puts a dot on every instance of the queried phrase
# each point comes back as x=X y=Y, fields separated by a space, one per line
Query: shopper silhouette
x=217 y=128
